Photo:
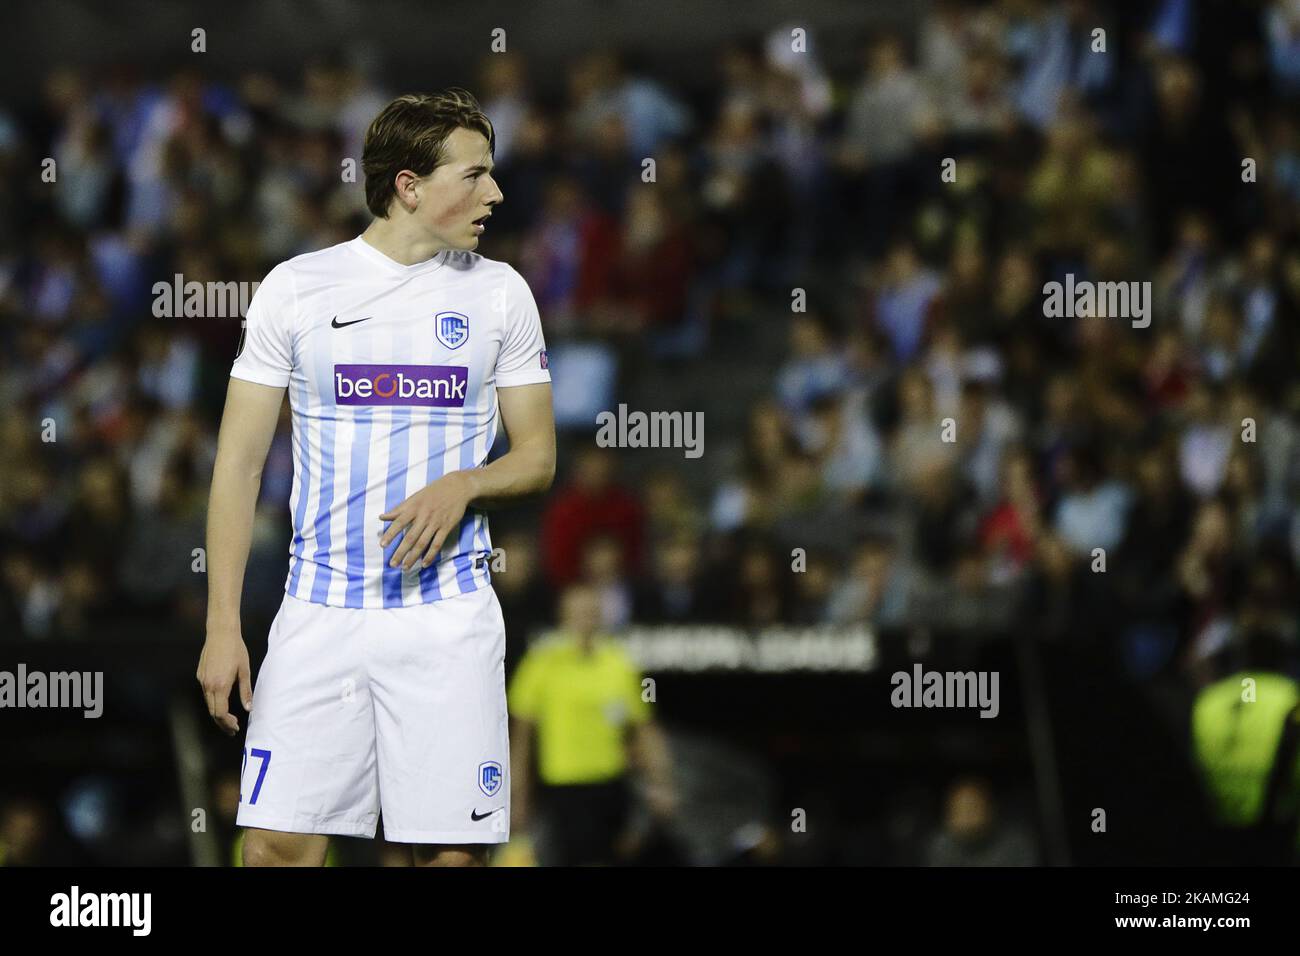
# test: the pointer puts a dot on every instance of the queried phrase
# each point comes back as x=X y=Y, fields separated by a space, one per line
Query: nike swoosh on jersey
x=335 y=323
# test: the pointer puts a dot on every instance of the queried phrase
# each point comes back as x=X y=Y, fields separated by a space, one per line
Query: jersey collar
x=371 y=254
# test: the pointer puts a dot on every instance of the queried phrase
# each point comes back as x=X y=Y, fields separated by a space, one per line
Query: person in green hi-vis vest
x=1238 y=727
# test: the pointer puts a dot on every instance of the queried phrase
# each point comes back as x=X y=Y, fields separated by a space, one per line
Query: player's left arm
x=528 y=468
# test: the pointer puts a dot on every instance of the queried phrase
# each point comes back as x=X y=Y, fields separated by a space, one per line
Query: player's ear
x=407 y=185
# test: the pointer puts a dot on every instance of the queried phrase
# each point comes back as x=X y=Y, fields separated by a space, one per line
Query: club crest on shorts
x=452 y=329
x=489 y=777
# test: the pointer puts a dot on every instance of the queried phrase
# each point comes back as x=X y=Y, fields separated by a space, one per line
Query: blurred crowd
x=946 y=455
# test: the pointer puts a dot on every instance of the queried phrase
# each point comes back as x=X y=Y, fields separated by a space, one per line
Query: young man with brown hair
x=383 y=684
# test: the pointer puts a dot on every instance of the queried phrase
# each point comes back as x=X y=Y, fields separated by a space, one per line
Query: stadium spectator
x=591 y=503
x=975 y=833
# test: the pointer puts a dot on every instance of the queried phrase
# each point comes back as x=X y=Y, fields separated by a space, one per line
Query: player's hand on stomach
x=223 y=662
x=427 y=518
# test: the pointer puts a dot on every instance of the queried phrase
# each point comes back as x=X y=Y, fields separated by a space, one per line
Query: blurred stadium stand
x=774 y=171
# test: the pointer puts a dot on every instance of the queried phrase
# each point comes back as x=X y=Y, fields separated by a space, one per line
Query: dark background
x=774 y=171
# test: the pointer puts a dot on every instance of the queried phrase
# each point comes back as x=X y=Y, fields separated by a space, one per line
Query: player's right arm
x=247 y=428
x=263 y=366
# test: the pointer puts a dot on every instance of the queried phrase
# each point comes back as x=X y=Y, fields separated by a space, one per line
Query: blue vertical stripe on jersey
x=466 y=532
x=320 y=587
x=358 y=481
x=328 y=413
x=430 y=589
x=481 y=530
x=399 y=438
x=464 y=562
x=465 y=541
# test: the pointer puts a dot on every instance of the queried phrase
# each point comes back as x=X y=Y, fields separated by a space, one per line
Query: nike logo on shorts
x=476 y=816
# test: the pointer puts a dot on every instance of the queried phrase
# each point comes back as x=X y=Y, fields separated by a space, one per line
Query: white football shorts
x=401 y=709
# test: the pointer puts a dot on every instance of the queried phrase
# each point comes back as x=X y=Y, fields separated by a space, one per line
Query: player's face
x=459 y=193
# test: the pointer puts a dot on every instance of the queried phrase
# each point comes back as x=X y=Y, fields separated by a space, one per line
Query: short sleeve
x=523 y=697
x=522 y=360
x=265 y=353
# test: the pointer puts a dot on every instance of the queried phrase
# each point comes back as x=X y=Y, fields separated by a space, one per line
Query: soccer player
x=383 y=685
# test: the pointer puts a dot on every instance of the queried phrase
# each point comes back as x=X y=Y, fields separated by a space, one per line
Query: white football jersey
x=392 y=372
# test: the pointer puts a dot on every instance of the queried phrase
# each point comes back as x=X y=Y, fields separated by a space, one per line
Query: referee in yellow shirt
x=580 y=721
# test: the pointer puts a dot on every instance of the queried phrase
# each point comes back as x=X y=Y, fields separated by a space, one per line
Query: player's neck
x=401 y=244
